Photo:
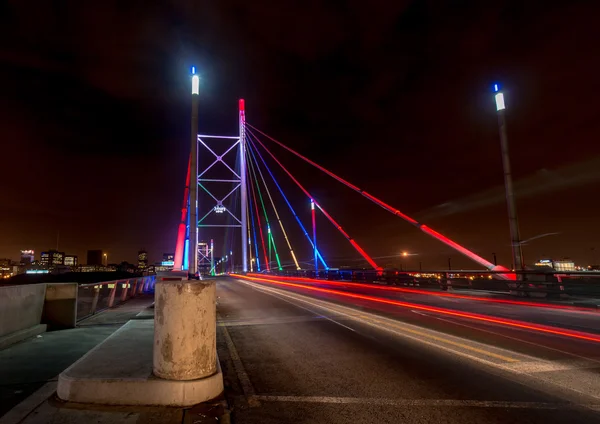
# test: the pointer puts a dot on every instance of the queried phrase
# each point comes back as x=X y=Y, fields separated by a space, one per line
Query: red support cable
x=329 y=217
x=396 y=212
x=180 y=246
x=262 y=239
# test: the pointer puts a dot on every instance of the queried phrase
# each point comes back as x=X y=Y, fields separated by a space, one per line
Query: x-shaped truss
x=218 y=207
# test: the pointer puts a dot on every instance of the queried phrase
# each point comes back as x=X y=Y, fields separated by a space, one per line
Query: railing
x=528 y=283
x=94 y=297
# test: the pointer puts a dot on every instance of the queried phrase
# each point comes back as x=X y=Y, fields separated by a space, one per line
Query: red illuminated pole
x=179 y=247
x=396 y=212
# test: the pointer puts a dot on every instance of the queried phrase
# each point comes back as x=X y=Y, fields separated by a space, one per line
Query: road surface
x=291 y=354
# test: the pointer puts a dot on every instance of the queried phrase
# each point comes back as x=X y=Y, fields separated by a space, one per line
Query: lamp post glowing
x=193 y=183
x=105 y=259
x=517 y=252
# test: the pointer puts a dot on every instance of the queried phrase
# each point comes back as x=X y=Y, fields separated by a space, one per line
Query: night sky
x=394 y=96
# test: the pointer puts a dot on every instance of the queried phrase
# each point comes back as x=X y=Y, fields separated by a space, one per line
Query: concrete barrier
x=170 y=361
x=21 y=312
x=60 y=305
x=185 y=329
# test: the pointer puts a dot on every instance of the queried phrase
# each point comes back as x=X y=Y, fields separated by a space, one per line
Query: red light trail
x=430 y=293
x=450 y=312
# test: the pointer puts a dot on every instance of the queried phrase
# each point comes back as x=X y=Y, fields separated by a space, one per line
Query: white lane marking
x=18 y=413
x=423 y=402
x=544 y=366
x=583 y=358
x=242 y=375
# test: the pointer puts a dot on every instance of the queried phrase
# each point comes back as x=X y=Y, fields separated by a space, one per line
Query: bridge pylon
x=206 y=206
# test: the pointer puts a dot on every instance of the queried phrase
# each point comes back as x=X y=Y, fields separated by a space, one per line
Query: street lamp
x=105 y=259
x=517 y=252
x=404 y=255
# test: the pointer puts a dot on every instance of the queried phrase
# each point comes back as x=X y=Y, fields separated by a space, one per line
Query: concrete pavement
x=288 y=357
x=29 y=365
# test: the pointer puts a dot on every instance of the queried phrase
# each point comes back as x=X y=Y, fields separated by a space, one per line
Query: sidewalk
x=32 y=367
x=27 y=366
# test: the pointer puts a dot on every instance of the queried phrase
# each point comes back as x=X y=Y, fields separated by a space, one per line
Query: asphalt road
x=296 y=355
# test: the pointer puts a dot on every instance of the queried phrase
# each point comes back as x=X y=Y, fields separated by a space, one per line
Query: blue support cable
x=253 y=146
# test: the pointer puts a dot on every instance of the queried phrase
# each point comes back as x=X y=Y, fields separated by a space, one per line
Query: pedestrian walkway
x=27 y=366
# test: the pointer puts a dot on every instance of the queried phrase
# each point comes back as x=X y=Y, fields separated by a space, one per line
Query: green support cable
x=271 y=239
x=287 y=240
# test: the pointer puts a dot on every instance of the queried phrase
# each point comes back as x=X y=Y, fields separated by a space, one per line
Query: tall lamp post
x=517 y=252
x=193 y=249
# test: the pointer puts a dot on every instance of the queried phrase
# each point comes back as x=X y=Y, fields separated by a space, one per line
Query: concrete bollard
x=185 y=330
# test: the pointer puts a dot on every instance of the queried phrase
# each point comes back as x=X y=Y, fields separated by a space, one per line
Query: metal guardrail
x=528 y=283
x=95 y=297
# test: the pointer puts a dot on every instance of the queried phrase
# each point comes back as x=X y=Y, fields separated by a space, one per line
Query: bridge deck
x=289 y=360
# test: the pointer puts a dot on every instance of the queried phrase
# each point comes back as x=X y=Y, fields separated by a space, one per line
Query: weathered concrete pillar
x=185 y=329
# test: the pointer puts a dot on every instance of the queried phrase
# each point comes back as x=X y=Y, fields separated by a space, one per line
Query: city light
x=404 y=253
x=195 y=83
x=500 y=101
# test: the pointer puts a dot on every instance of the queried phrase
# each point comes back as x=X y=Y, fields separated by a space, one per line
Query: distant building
x=564 y=265
x=27 y=257
x=561 y=265
x=142 y=259
x=168 y=257
x=6 y=269
x=90 y=268
x=544 y=263
x=94 y=257
x=52 y=258
x=126 y=267
x=71 y=260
